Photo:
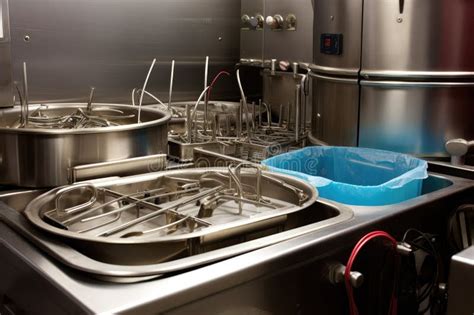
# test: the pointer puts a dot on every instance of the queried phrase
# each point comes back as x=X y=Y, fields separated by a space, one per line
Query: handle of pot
x=61 y=211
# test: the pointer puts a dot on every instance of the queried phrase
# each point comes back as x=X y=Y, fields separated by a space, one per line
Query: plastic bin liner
x=355 y=176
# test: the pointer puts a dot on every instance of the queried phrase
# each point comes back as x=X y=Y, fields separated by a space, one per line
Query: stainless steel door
x=6 y=96
x=335 y=111
x=414 y=117
x=418 y=38
x=288 y=45
x=342 y=17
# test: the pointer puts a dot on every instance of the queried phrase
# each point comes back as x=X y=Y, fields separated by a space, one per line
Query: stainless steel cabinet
x=415 y=117
x=418 y=38
x=335 y=110
x=338 y=17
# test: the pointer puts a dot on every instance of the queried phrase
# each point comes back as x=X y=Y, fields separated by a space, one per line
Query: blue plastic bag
x=355 y=176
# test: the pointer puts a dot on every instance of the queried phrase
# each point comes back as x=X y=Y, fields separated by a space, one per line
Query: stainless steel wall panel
x=109 y=44
x=413 y=117
x=251 y=41
x=292 y=46
x=425 y=38
x=338 y=17
x=6 y=84
x=335 y=111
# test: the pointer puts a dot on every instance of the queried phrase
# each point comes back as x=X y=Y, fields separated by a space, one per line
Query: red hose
x=214 y=82
x=347 y=276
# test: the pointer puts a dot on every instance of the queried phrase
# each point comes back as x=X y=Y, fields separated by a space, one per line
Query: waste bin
x=355 y=176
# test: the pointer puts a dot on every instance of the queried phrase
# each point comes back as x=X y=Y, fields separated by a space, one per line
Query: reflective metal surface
x=461 y=282
x=418 y=38
x=132 y=166
x=226 y=112
x=106 y=229
x=321 y=215
x=6 y=82
x=338 y=17
x=224 y=154
x=335 y=110
x=444 y=167
x=279 y=90
x=251 y=40
x=41 y=157
x=292 y=46
x=414 y=117
x=183 y=151
x=109 y=44
x=249 y=283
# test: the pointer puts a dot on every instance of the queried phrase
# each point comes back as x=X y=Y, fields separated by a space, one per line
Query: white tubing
x=189 y=120
x=171 y=85
x=198 y=101
x=244 y=101
x=206 y=72
x=144 y=89
x=133 y=96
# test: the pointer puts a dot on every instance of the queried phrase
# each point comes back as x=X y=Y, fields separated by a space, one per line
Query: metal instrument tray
x=128 y=259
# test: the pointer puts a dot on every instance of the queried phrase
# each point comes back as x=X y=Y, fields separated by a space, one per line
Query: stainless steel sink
x=444 y=167
x=300 y=263
x=317 y=216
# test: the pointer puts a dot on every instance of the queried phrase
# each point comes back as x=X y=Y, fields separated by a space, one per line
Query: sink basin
x=443 y=167
x=319 y=215
x=434 y=183
x=323 y=214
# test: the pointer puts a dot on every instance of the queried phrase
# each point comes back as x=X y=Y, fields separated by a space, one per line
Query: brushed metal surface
x=248 y=283
x=109 y=44
x=6 y=83
x=335 y=118
x=42 y=157
x=251 y=41
x=292 y=46
x=150 y=250
x=430 y=35
x=138 y=165
x=415 y=117
x=461 y=280
x=338 y=17
x=182 y=151
x=280 y=90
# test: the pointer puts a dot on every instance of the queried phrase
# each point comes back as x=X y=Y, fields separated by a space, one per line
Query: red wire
x=347 y=276
x=214 y=82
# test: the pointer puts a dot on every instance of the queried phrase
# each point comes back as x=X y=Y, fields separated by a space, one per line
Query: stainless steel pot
x=37 y=157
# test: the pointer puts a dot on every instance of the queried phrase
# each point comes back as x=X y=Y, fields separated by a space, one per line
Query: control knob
x=275 y=22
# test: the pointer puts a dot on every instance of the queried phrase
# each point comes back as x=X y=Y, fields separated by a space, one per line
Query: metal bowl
x=41 y=157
